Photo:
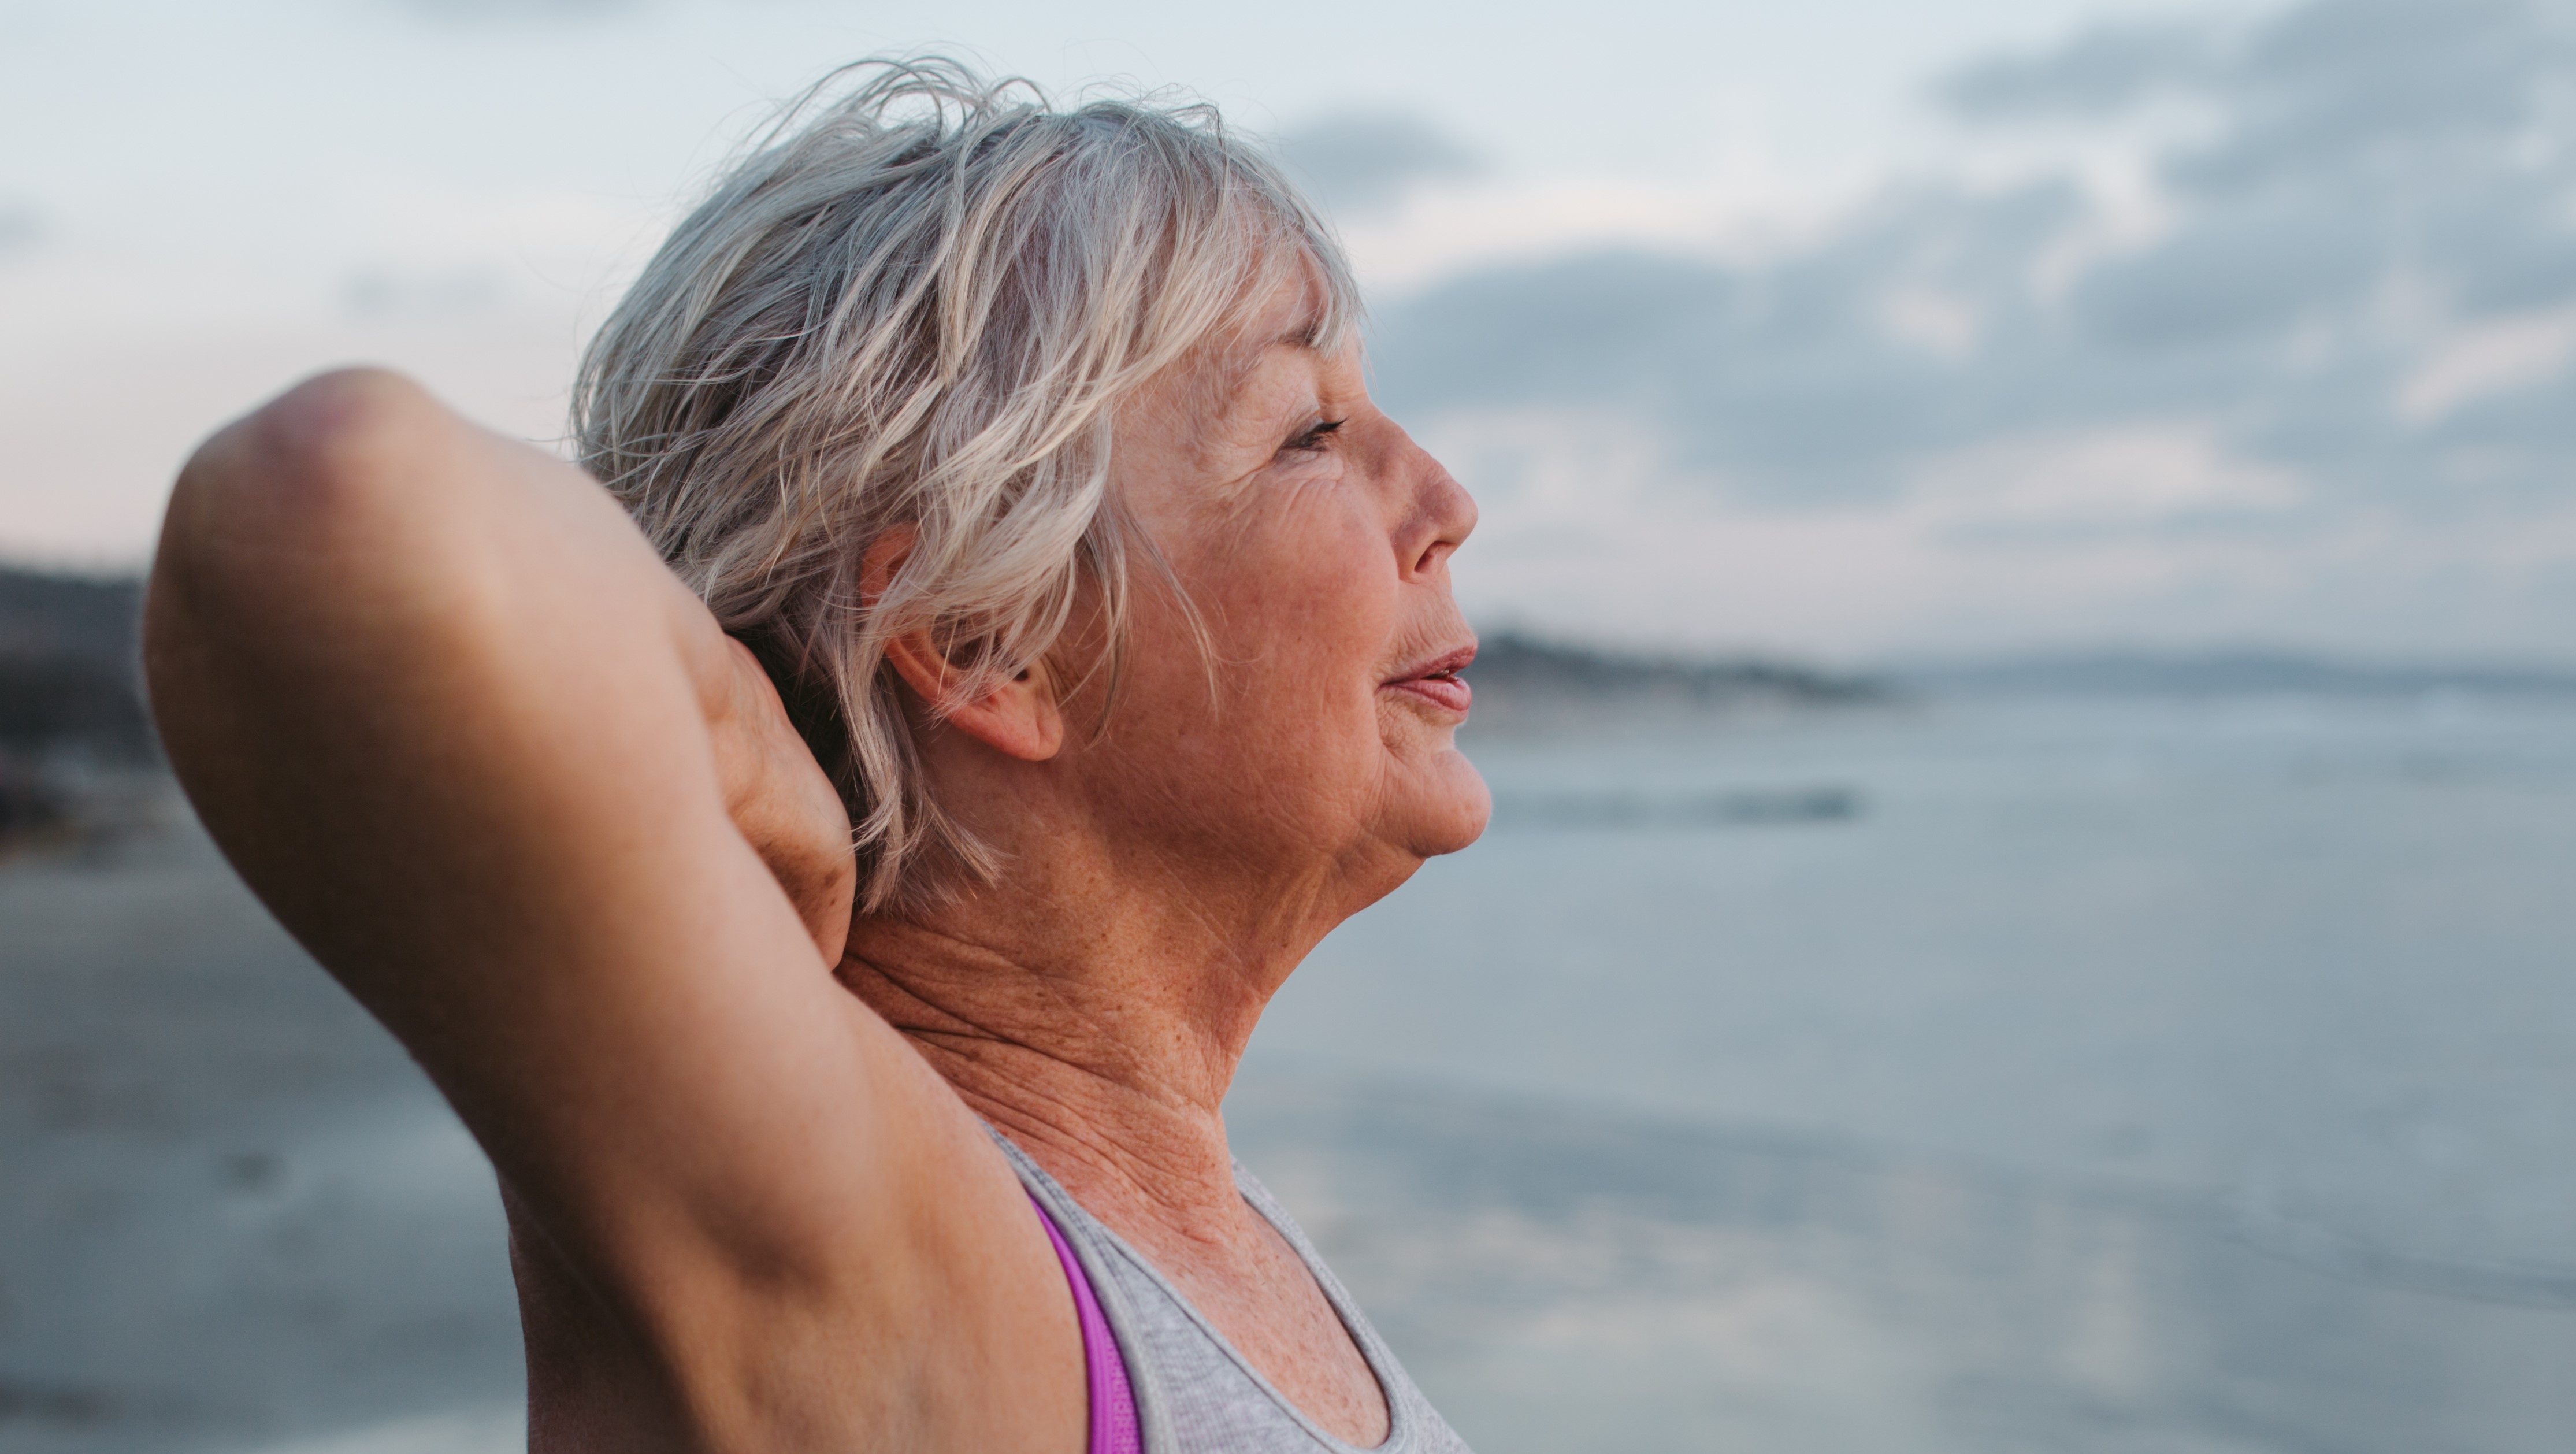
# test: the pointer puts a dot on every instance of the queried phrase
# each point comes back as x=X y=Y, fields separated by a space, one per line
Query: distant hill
x=1516 y=673
x=2236 y=673
x=84 y=618
x=1518 y=676
x=69 y=676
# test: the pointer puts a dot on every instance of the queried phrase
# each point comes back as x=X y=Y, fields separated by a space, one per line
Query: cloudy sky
x=1857 y=328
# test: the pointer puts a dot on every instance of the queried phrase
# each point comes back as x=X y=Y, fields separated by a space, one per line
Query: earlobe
x=1017 y=718
x=1036 y=724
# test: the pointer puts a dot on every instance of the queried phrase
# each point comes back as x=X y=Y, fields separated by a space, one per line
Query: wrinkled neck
x=1104 y=1048
x=1094 y=1002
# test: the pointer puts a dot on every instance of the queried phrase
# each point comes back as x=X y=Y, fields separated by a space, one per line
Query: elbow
x=280 y=500
x=289 y=472
x=336 y=426
x=289 y=511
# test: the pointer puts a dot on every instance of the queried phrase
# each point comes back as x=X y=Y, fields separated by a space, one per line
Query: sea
x=2001 y=1072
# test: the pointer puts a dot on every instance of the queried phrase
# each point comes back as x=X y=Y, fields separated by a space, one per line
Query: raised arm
x=446 y=711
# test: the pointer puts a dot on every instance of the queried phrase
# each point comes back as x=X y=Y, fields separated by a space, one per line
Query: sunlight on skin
x=1167 y=872
x=713 y=1155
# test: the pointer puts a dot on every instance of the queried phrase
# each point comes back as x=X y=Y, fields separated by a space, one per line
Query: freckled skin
x=477 y=748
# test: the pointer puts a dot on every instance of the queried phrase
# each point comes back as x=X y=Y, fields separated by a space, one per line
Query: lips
x=1437 y=681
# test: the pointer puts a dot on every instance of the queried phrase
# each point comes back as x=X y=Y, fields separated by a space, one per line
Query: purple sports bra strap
x=1113 y=1400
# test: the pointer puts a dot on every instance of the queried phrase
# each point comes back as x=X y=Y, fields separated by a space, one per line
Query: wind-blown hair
x=920 y=304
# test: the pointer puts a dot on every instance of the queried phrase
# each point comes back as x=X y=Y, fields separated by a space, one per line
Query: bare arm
x=453 y=720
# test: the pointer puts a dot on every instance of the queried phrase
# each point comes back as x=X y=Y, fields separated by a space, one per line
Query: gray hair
x=920 y=305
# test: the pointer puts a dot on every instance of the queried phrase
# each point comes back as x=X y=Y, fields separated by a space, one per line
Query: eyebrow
x=1236 y=365
x=1307 y=330
x=1306 y=334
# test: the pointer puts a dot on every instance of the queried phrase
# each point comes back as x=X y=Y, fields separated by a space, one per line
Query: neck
x=1097 y=1029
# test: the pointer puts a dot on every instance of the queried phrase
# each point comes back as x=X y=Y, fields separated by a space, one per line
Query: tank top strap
x=1113 y=1346
x=1111 y=1397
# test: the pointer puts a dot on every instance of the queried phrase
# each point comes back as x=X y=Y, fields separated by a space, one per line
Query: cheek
x=1299 y=614
x=1314 y=607
x=1298 y=592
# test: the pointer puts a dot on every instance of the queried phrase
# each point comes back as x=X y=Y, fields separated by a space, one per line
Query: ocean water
x=1976 y=1075
x=2317 y=958
x=1997 y=1074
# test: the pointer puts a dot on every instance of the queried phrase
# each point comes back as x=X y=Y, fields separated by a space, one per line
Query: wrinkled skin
x=466 y=736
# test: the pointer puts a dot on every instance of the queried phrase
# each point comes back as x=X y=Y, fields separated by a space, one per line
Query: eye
x=1311 y=440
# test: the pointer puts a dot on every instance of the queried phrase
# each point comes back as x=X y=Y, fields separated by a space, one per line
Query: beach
x=1991 y=1075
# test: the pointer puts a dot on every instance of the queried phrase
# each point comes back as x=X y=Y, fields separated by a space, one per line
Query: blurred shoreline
x=73 y=727
x=79 y=761
x=1807 y=1061
x=76 y=747
x=238 y=1219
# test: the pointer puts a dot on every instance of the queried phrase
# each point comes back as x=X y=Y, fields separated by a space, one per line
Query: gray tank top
x=1194 y=1393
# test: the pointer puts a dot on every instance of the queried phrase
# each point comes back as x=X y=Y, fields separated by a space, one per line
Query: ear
x=1018 y=718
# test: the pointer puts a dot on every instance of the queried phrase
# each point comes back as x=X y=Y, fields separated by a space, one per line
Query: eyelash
x=1312 y=441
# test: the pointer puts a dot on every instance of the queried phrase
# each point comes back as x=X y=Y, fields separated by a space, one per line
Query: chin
x=1453 y=808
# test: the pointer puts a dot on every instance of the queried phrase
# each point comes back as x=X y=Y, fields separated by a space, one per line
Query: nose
x=1438 y=512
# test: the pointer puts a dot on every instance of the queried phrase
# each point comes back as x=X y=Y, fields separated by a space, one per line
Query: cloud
x=2517 y=353
x=384 y=292
x=1358 y=162
x=1810 y=380
x=480 y=10
x=2352 y=330
x=2106 y=70
x=22 y=227
x=2345 y=84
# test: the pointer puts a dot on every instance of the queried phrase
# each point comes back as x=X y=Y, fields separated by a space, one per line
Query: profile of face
x=1307 y=739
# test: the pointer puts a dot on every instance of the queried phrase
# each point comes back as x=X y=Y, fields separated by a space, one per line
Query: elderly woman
x=835 y=868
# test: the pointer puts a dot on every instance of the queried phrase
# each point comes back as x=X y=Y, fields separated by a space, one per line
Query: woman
x=837 y=886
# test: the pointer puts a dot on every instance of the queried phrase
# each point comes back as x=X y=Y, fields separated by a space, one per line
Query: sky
x=1853 y=329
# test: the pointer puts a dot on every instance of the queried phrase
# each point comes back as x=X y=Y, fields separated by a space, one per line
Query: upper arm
x=448 y=713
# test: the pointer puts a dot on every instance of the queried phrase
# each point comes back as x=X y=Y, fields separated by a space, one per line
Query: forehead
x=1282 y=345
x=1237 y=387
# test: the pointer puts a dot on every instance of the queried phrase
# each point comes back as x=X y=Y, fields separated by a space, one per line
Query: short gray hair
x=918 y=300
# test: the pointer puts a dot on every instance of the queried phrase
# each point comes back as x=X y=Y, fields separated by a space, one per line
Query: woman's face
x=1314 y=538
